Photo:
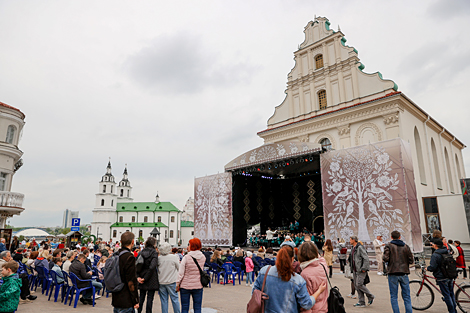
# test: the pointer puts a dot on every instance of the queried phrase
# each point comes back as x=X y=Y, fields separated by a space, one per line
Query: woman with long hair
x=314 y=272
x=217 y=258
x=285 y=288
x=328 y=255
x=189 y=278
x=148 y=275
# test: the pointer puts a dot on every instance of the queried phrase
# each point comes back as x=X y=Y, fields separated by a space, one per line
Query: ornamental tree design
x=213 y=209
x=359 y=189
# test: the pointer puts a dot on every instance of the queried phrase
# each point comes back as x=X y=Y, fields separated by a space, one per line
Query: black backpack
x=112 y=274
x=448 y=266
x=335 y=299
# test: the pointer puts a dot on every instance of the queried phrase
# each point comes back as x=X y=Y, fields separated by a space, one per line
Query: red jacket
x=460 y=259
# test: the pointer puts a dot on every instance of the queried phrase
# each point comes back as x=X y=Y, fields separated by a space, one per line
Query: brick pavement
x=233 y=299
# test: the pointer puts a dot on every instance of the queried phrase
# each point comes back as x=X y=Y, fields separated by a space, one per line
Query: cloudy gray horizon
x=177 y=90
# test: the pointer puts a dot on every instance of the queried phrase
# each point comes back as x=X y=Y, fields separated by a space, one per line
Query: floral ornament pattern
x=382 y=231
x=213 y=209
x=358 y=188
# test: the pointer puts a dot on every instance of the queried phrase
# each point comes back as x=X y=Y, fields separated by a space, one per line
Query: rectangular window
x=192 y=233
x=120 y=219
x=111 y=188
x=114 y=233
x=146 y=219
x=159 y=219
x=140 y=234
x=171 y=234
x=104 y=188
x=431 y=214
x=172 y=219
x=166 y=233
x=3 y=181
x=133 y=219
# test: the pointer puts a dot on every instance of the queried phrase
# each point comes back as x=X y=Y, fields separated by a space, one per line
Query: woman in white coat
x=168 y=267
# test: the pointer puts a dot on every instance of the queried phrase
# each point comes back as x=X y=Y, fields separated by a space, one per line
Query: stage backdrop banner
x=213 y=209
x=369 y=191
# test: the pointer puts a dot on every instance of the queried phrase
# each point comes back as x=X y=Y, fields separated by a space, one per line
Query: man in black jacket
x=126 y=300
x=399 y=257
x=79 y=269
x=446 y=285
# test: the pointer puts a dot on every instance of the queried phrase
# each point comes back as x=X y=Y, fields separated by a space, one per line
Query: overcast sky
x=177 y=89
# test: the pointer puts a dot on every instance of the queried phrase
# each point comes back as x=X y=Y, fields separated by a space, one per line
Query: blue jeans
x=404 y=282
x=447 y=290
x=249 y=278
x=89 y=293
x=169 y=290
x=185 y=294
x=127 y=310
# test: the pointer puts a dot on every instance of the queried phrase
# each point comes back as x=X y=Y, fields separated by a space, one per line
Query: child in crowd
x=249 y=268
x=100 y=266
x=57 y=269
x=10 y=289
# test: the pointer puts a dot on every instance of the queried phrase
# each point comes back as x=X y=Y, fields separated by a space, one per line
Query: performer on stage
x=296 y=226
x=269 y=236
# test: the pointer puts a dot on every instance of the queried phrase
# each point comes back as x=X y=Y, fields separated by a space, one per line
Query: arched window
x=458 y=167
x=111 y=188
x=122 y=192
x=120 y=219
x=112 y=202
x=133 y=219
x=102 y=202
x=10 y=134
x=114 y=233
x=146 y=219
x=436 y=164
x=419 y=154
x=326 y=144
x=106 y=178
x=322 y=99
x=319 y=61
x=449 y=171
x=140 y=233
x=104 y=188
x=159 y=219
x=128 y=193
x=171 y=234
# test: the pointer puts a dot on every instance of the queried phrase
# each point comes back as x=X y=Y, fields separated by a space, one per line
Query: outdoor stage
x=365 y=191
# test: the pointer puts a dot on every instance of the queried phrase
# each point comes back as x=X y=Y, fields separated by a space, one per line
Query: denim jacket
x=283 y=295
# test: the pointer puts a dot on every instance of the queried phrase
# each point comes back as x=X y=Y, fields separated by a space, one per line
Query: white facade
x=115 y=213
x=67 y=218
x=11 y=127
x=188 y=210
x=333 y=102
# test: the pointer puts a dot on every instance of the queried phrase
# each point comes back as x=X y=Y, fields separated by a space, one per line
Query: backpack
x=335 y=299
x=448 y=266
x=112 y=274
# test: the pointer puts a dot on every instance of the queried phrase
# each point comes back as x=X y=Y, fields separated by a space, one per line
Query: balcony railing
x=11 y=199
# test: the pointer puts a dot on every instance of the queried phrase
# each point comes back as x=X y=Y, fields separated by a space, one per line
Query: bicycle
x=422 y=296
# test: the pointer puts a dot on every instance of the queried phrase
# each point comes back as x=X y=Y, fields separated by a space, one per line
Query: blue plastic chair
x=239 y=267
x=229 y=258
x=230 y=270
x=77 y=290
x=216 y=270
x=67 y=287
x=58 y=286
x=97 y=272
x=96 y=259
x=44 y=279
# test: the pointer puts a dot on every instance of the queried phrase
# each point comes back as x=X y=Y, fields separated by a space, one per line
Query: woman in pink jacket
x=189 y=279
x=249 y=268
x=314 y=274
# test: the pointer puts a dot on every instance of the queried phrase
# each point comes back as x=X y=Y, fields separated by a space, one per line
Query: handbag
x=256 y=303
x=335 y=299
x=205 y=278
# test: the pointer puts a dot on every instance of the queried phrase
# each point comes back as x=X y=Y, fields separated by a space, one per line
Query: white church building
x=115 y=212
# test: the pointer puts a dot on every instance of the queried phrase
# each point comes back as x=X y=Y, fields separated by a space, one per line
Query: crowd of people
x=296 y=275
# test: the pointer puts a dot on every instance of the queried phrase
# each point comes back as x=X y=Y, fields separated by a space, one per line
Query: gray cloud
x=449 y=9
x=181 y=64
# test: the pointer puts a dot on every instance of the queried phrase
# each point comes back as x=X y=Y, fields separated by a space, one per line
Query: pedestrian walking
x=379 y=251
x=399 y=257
x=126 y=300
x=328 y=255
x=360 y=268
x=342 y=254
x=168 y=267
x=446 y=284
x=189 y=278
x=461 y=260
x=148 y=275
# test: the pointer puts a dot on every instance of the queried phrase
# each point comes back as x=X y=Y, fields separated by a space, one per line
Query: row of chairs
x=48 y=281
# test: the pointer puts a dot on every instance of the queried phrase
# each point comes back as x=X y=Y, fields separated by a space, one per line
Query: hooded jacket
x=149 y=270
x=399 y=257
x=435 y=263
x=10 y=294
x=189 y=277
x=314 y=274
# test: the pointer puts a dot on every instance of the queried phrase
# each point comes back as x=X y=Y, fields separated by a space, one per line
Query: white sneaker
x=247 y=284
x=349 y=295
x=97 y=297
x=380 y=273
x=251 y=285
